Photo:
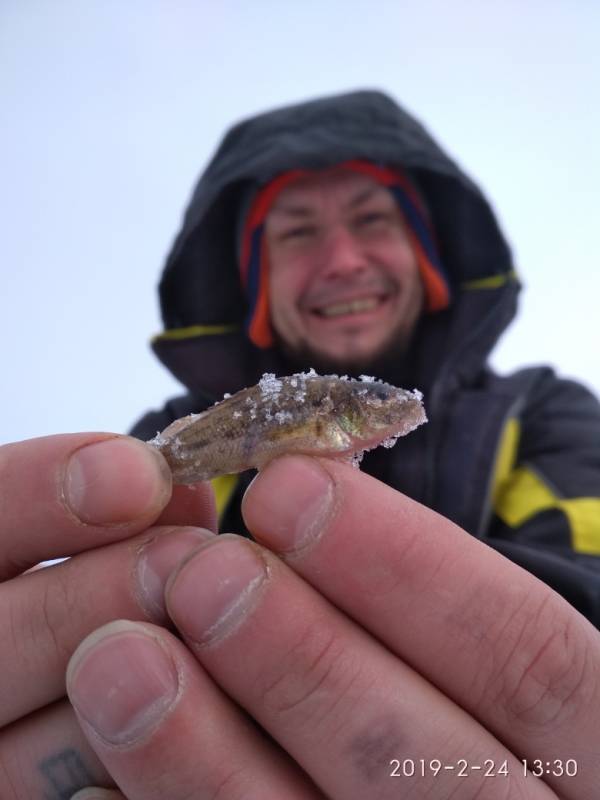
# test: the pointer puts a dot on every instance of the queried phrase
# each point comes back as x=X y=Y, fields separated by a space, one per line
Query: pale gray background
x=110 y=108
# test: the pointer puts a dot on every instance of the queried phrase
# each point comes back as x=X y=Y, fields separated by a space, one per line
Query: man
x=336 y=234
x=386 y=651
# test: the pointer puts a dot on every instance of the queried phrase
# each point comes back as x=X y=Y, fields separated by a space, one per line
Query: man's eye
x=372 y=219
x=298 y=233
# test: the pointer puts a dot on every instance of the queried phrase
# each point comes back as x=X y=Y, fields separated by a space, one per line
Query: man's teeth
x=352 y=307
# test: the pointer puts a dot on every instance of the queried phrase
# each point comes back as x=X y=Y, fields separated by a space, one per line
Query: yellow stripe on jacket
x=521 y=492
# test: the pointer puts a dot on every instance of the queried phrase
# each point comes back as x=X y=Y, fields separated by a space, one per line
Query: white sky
x=110 y=110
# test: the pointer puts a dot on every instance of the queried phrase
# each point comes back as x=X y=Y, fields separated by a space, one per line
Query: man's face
x=344 y=285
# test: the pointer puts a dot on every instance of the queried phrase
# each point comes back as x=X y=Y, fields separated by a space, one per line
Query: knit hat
x=254 y=266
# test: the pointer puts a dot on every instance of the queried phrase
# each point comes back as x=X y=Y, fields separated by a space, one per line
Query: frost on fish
x=303 y=413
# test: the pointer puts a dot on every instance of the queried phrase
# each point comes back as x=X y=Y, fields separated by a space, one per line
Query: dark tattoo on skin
x=65 y=774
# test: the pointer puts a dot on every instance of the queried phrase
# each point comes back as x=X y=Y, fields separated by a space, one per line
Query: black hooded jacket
x=514 y=460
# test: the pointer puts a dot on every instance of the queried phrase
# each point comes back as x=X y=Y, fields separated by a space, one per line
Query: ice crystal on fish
x=321 y=415
x=270 y=386
x=356 y=458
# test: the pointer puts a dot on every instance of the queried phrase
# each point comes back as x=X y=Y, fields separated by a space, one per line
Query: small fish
x=304 y=413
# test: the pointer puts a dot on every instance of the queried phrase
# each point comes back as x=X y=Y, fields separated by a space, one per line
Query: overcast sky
x=110 y=110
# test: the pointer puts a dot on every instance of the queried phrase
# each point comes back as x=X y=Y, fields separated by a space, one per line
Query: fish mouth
x=350 y=307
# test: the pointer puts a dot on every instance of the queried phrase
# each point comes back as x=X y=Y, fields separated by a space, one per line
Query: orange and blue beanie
x=254 y=266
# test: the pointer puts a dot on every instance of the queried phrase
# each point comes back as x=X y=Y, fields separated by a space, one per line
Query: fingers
x=164 y=730
x=95 y=793
x=46 y=755
x=192 y=504
x=336 y=700
x=60 y=495
x=45 y=614
x=492 y=637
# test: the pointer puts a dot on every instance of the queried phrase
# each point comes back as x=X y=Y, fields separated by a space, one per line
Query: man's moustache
x=347 y=293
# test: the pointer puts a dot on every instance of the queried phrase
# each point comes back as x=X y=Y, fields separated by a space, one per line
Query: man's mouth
x=348 y=307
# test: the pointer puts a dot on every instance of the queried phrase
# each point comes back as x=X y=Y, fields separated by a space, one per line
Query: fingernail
x=115 y=481
x=157 y=559
x=121 y=682
x=289 y=503
x=215 y=590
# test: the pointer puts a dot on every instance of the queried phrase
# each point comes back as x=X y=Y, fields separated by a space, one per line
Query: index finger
x=492 y=637
x=60 y=495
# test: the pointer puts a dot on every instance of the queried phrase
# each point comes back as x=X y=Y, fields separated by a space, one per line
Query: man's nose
x=343 y=254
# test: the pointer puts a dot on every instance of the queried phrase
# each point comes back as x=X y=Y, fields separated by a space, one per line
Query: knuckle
x=10 y=562
x=52 y=619
x=310 y=678
x=547 y=676
x=6 y=778
x=231 y=784
x=510 y=788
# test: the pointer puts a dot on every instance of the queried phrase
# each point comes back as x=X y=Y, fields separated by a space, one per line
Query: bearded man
x=380 y=628
x=336 y=234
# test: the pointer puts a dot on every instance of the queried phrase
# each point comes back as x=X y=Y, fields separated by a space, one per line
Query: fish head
x=374 y=410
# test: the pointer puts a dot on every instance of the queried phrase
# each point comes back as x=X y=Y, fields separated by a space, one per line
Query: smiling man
x=336 y=234
x=360 y=626
x=344 y=282
x=347 y=265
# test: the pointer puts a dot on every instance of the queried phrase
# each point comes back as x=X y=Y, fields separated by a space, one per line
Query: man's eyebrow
x=362 y=196
x=306 y=211
x=292 y=210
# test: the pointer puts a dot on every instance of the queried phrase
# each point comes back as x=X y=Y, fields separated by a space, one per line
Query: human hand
x=93 y=496
x=381 y=633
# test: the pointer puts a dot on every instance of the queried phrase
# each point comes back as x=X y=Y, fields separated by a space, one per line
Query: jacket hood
x=202 y=302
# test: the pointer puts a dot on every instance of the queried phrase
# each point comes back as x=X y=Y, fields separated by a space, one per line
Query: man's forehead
x=348 y=186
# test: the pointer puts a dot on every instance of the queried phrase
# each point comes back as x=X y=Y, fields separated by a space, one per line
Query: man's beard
x=390 y=363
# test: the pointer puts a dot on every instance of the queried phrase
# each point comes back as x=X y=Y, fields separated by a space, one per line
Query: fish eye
x=379 y=391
